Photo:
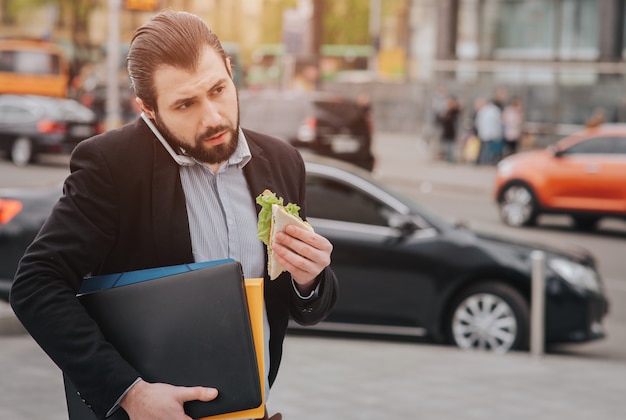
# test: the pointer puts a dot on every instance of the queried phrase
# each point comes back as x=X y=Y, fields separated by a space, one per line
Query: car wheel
x=489 y=316
x=586 y=223
x=22 y=151
x=518 y=206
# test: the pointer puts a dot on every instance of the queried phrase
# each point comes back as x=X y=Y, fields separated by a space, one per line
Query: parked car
x=324 y=123
x=583 y=175
x=31 y=124
x=402 y=269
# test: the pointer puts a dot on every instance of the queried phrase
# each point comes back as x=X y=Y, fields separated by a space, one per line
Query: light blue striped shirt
x=223 y=219
x=222 y=213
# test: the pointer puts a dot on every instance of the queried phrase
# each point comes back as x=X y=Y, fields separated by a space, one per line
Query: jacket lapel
x=257 y=171
x=169 y=217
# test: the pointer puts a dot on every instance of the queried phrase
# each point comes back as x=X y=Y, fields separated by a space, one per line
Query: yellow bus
x=33 y=67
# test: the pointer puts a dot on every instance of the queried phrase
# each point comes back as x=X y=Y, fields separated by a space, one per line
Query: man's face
x=198 y=110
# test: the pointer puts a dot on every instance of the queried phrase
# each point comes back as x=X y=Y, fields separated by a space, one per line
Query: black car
x=402 y=269
x=31 y=124
x=327 y=124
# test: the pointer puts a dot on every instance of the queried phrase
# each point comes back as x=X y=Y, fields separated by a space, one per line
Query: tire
x=586 y=223
x=22 y=151
x=518 y=206
x=489 y=316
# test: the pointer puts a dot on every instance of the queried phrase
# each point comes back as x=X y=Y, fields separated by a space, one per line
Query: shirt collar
x=242 y=154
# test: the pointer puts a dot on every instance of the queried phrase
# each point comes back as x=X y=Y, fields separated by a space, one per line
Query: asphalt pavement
x=346 y=378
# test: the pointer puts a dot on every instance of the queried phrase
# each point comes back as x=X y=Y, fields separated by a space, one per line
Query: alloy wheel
x=22 y=151
x=517 y=207
x=485 y=321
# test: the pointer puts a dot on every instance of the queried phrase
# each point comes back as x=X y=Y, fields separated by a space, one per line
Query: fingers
x=301 y=252
x=196 y=393
x=303 y=241
x=155 y=401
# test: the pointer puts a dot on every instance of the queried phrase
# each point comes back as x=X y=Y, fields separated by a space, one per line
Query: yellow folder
x=254 y=296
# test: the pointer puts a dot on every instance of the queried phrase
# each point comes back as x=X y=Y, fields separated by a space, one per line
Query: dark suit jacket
x=123 y=208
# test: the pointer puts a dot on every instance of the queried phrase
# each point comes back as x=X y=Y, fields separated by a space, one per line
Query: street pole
x=537 y=303
x=374 y=27
x=317 y=38
x=113 y=66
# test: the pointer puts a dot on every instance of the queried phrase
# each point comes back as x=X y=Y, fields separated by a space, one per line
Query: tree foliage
x=346 y=22
x=273 y=20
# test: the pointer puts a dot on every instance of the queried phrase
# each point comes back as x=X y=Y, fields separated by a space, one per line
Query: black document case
x=189 y=328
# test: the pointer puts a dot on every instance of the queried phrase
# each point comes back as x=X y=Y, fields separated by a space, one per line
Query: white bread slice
x=280 y=220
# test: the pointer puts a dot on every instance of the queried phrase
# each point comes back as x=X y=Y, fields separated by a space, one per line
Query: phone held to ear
x=180 y=159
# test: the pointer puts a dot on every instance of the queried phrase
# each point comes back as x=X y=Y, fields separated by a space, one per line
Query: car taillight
x=50 y=127
x=9 y=209
x=307 y=130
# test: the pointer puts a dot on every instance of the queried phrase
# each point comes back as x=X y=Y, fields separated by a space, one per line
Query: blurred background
x=403 y=82
x=563 y=58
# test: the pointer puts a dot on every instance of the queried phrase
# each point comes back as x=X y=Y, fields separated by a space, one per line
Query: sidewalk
x=416 y=164
x=369 y=379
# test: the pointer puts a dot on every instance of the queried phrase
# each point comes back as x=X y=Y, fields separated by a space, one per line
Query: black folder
x=183 y=325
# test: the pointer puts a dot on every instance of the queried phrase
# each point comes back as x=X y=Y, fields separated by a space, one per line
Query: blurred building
x=563 y=58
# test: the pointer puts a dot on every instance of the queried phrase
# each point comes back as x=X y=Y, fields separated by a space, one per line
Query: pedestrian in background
x=512 y=120
x=489 y=130
x=448 y=121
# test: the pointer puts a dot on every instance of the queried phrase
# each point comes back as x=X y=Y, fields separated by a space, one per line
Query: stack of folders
x=196 y=324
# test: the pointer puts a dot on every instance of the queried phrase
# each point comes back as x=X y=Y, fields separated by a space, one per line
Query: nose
x=210 y=113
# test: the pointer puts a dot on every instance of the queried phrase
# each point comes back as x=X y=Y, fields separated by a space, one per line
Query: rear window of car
x=29 y=62
x=347 y=110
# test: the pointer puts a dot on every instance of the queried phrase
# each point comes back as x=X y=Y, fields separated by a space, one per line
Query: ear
x=149 y=112
x=229 y=67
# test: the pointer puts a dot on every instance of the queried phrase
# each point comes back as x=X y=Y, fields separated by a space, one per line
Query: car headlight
x=576 y=274
x=505 y=168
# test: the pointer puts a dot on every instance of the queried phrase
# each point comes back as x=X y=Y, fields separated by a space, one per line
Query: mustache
x=213 y=131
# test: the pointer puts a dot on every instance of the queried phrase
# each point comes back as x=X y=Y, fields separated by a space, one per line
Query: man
x=128 y=204
x=489 y=129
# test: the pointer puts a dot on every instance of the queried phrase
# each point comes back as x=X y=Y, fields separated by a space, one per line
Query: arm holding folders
x=185 y=325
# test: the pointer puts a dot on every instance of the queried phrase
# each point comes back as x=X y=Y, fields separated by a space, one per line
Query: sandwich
x=274 y=217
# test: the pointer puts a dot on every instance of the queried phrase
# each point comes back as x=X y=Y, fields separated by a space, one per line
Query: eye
x=185 y=105
x=218 y=90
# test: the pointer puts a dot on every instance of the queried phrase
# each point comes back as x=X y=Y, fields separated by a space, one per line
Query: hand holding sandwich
x=292 y=245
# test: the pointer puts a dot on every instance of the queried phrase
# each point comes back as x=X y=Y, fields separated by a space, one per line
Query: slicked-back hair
x=170 y=38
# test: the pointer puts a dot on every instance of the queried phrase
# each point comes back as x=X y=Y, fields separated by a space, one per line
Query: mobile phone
x=180 y=159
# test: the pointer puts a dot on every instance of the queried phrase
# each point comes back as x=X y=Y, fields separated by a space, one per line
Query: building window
x=547 y=29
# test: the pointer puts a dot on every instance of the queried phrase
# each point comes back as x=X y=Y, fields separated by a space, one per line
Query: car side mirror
x=405 y=224
x=460 y=223
x=556 y=152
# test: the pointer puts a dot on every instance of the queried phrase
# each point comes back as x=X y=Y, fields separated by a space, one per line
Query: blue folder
x=108 y=281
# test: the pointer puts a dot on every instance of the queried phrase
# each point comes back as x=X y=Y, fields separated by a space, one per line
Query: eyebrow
x=181 y=101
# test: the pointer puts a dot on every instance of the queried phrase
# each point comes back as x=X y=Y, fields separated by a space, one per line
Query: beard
x=213 y=155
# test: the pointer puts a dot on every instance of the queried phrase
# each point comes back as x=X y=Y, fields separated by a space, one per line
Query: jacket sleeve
x=316 y=309
x=77 y=235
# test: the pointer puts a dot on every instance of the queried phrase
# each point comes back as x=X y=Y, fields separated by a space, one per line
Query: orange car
x=582 y=175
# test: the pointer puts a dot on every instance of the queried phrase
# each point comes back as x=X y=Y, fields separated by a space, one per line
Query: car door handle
x=592 y=169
